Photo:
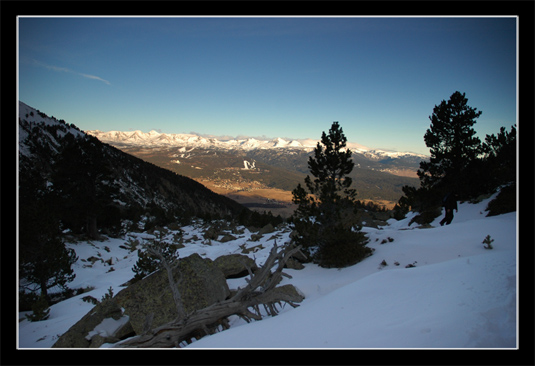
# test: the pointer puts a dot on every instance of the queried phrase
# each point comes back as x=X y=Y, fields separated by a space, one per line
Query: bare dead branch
x=157 y=251
x=260 y=290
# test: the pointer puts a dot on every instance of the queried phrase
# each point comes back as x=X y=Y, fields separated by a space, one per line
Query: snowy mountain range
x=238 y=162
x=157 y=139
x=277 y=163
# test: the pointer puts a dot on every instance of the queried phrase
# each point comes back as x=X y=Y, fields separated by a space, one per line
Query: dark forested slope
x=89 y=186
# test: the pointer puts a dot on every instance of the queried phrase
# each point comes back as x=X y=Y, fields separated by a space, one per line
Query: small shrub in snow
x=488 y=242
x=41 y=310
x=90 y=299
x=108 y=295
x=145 y=265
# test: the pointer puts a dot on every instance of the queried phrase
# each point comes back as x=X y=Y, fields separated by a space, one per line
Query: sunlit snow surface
x=457 y=295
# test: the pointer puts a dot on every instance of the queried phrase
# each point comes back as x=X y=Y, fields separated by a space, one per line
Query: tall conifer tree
x=44 y=260
x=452 y=142
x=326 y=215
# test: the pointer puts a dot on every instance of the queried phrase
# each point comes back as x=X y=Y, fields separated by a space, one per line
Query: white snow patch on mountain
x=154 y=138
x=33 y=117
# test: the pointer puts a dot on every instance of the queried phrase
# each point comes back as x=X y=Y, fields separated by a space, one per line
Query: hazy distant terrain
x=262 y=173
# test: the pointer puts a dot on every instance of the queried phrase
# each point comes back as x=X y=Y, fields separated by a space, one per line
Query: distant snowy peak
x=154 y=138
x=383 y=154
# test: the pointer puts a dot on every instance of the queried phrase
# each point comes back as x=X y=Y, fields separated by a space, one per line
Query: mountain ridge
x=82 y=178
x=155 y=138
x=245 y=169
x=245 y=166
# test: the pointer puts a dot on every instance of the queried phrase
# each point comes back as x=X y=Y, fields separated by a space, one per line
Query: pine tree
x=44 y=261
x=460 y=162
x=500 y=155
x=326 y=217
x=41 y=310
x=452 y=142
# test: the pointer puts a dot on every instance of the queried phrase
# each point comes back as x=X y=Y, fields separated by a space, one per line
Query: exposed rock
x=235 y=265
x=93 y=259
x=266 y=229
x=260 y=290
x=78 y=335
x=99 y=340
x=212 y=233
x=254 y=249
x=289 y=293
x=226 y=238
x=110 y=331
x=123 y=332
x=256 y=237
x=199 y=282
x=291 y=263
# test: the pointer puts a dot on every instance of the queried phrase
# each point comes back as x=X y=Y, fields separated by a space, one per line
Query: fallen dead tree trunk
x=261 y=291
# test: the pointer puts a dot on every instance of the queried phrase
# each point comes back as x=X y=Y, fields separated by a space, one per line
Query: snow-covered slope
x=457 y=295
x=30 y=117
x=422 y=288
x=49 y=147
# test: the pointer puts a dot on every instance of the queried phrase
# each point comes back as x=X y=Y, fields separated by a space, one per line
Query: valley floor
x=274 y=200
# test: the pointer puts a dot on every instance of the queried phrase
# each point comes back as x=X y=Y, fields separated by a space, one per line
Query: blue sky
x=274 y=77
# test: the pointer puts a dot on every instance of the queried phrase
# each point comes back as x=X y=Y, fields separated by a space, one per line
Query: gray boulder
x=266 y=229
x=199 y=281
x=149 y=303
x=227 y=238
x=82 y=334
x=291 y=263
x=235 y=265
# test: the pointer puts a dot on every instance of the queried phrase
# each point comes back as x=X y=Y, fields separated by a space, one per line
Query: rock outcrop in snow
x=150 y=300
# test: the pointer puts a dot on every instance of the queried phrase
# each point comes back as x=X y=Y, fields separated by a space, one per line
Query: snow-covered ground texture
x=422 y=288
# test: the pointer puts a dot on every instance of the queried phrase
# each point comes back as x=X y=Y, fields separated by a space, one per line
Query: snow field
x=457 y=295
